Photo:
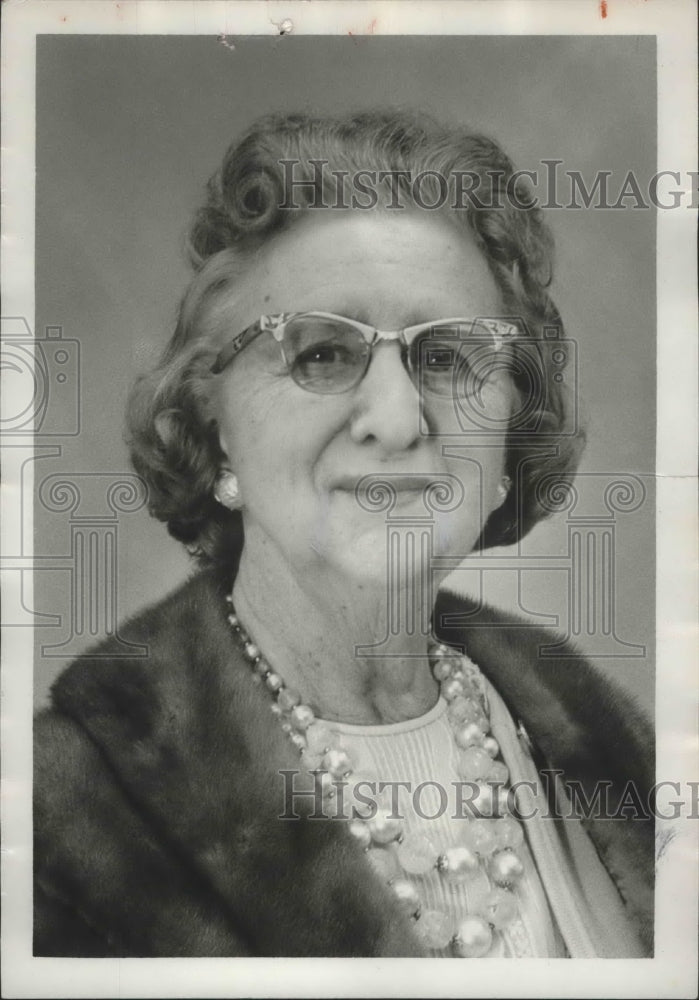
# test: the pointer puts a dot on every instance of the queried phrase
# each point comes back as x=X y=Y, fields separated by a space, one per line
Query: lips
x=401 y=482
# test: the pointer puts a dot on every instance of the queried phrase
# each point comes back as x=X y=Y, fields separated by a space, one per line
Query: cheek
x=481 y=412
x=246 y=405
x=478 y=471
x=275 y=434
x=472 y=435
x=490 y=408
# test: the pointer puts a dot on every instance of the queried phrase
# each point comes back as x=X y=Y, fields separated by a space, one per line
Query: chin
x=356 y=551
x=365 y=561
x=359 y=548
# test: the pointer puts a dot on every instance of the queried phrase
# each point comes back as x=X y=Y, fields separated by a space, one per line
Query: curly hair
x=173 y=436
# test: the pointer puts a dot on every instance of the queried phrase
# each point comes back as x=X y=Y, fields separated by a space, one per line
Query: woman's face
x=299 y=455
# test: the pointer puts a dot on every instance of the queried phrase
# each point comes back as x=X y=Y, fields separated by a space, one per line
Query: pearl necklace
x=485 y=843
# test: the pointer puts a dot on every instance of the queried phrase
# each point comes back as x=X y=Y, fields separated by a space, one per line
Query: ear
x=167 y=425
x=502 y=490
x=210 y=409
x=222 y=443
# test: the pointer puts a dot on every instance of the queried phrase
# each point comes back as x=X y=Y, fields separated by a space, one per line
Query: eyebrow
x=352 y=311
x=413 y=318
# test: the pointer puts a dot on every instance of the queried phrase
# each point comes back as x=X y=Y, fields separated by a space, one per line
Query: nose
x=386 y=403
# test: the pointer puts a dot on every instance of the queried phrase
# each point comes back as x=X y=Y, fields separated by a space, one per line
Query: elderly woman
x=320 y=754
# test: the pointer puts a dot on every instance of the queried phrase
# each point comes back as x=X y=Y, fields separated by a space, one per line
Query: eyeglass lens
x=327 y=355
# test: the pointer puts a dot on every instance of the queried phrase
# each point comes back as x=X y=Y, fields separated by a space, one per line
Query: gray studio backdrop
x=129 y=129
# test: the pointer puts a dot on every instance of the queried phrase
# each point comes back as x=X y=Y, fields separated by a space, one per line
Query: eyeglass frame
x=275 y=323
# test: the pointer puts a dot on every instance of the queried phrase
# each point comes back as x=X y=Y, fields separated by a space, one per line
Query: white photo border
x=672 y=972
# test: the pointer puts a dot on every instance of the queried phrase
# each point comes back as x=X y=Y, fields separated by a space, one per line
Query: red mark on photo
x=603 y=8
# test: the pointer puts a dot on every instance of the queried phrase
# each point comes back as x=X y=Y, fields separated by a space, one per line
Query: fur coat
x=157 y=794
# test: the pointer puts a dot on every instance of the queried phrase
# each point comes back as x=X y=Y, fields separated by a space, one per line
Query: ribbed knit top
x=422 y=753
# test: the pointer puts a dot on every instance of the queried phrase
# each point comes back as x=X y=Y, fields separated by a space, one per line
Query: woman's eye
x=440 y=358
x=438 y=365
x=323 y=354
x=452 y=367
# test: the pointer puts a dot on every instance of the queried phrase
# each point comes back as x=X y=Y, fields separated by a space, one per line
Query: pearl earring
x=503 y=488
x=226 y=489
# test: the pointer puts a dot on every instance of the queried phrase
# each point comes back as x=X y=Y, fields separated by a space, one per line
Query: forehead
x=386 y=269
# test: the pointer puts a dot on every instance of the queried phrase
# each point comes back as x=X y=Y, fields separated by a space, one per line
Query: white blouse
x=567 y=904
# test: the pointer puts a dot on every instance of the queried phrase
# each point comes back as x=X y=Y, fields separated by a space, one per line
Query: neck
x=314 y=630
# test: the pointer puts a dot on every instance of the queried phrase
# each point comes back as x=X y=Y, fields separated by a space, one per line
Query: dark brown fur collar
x=173 y=761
